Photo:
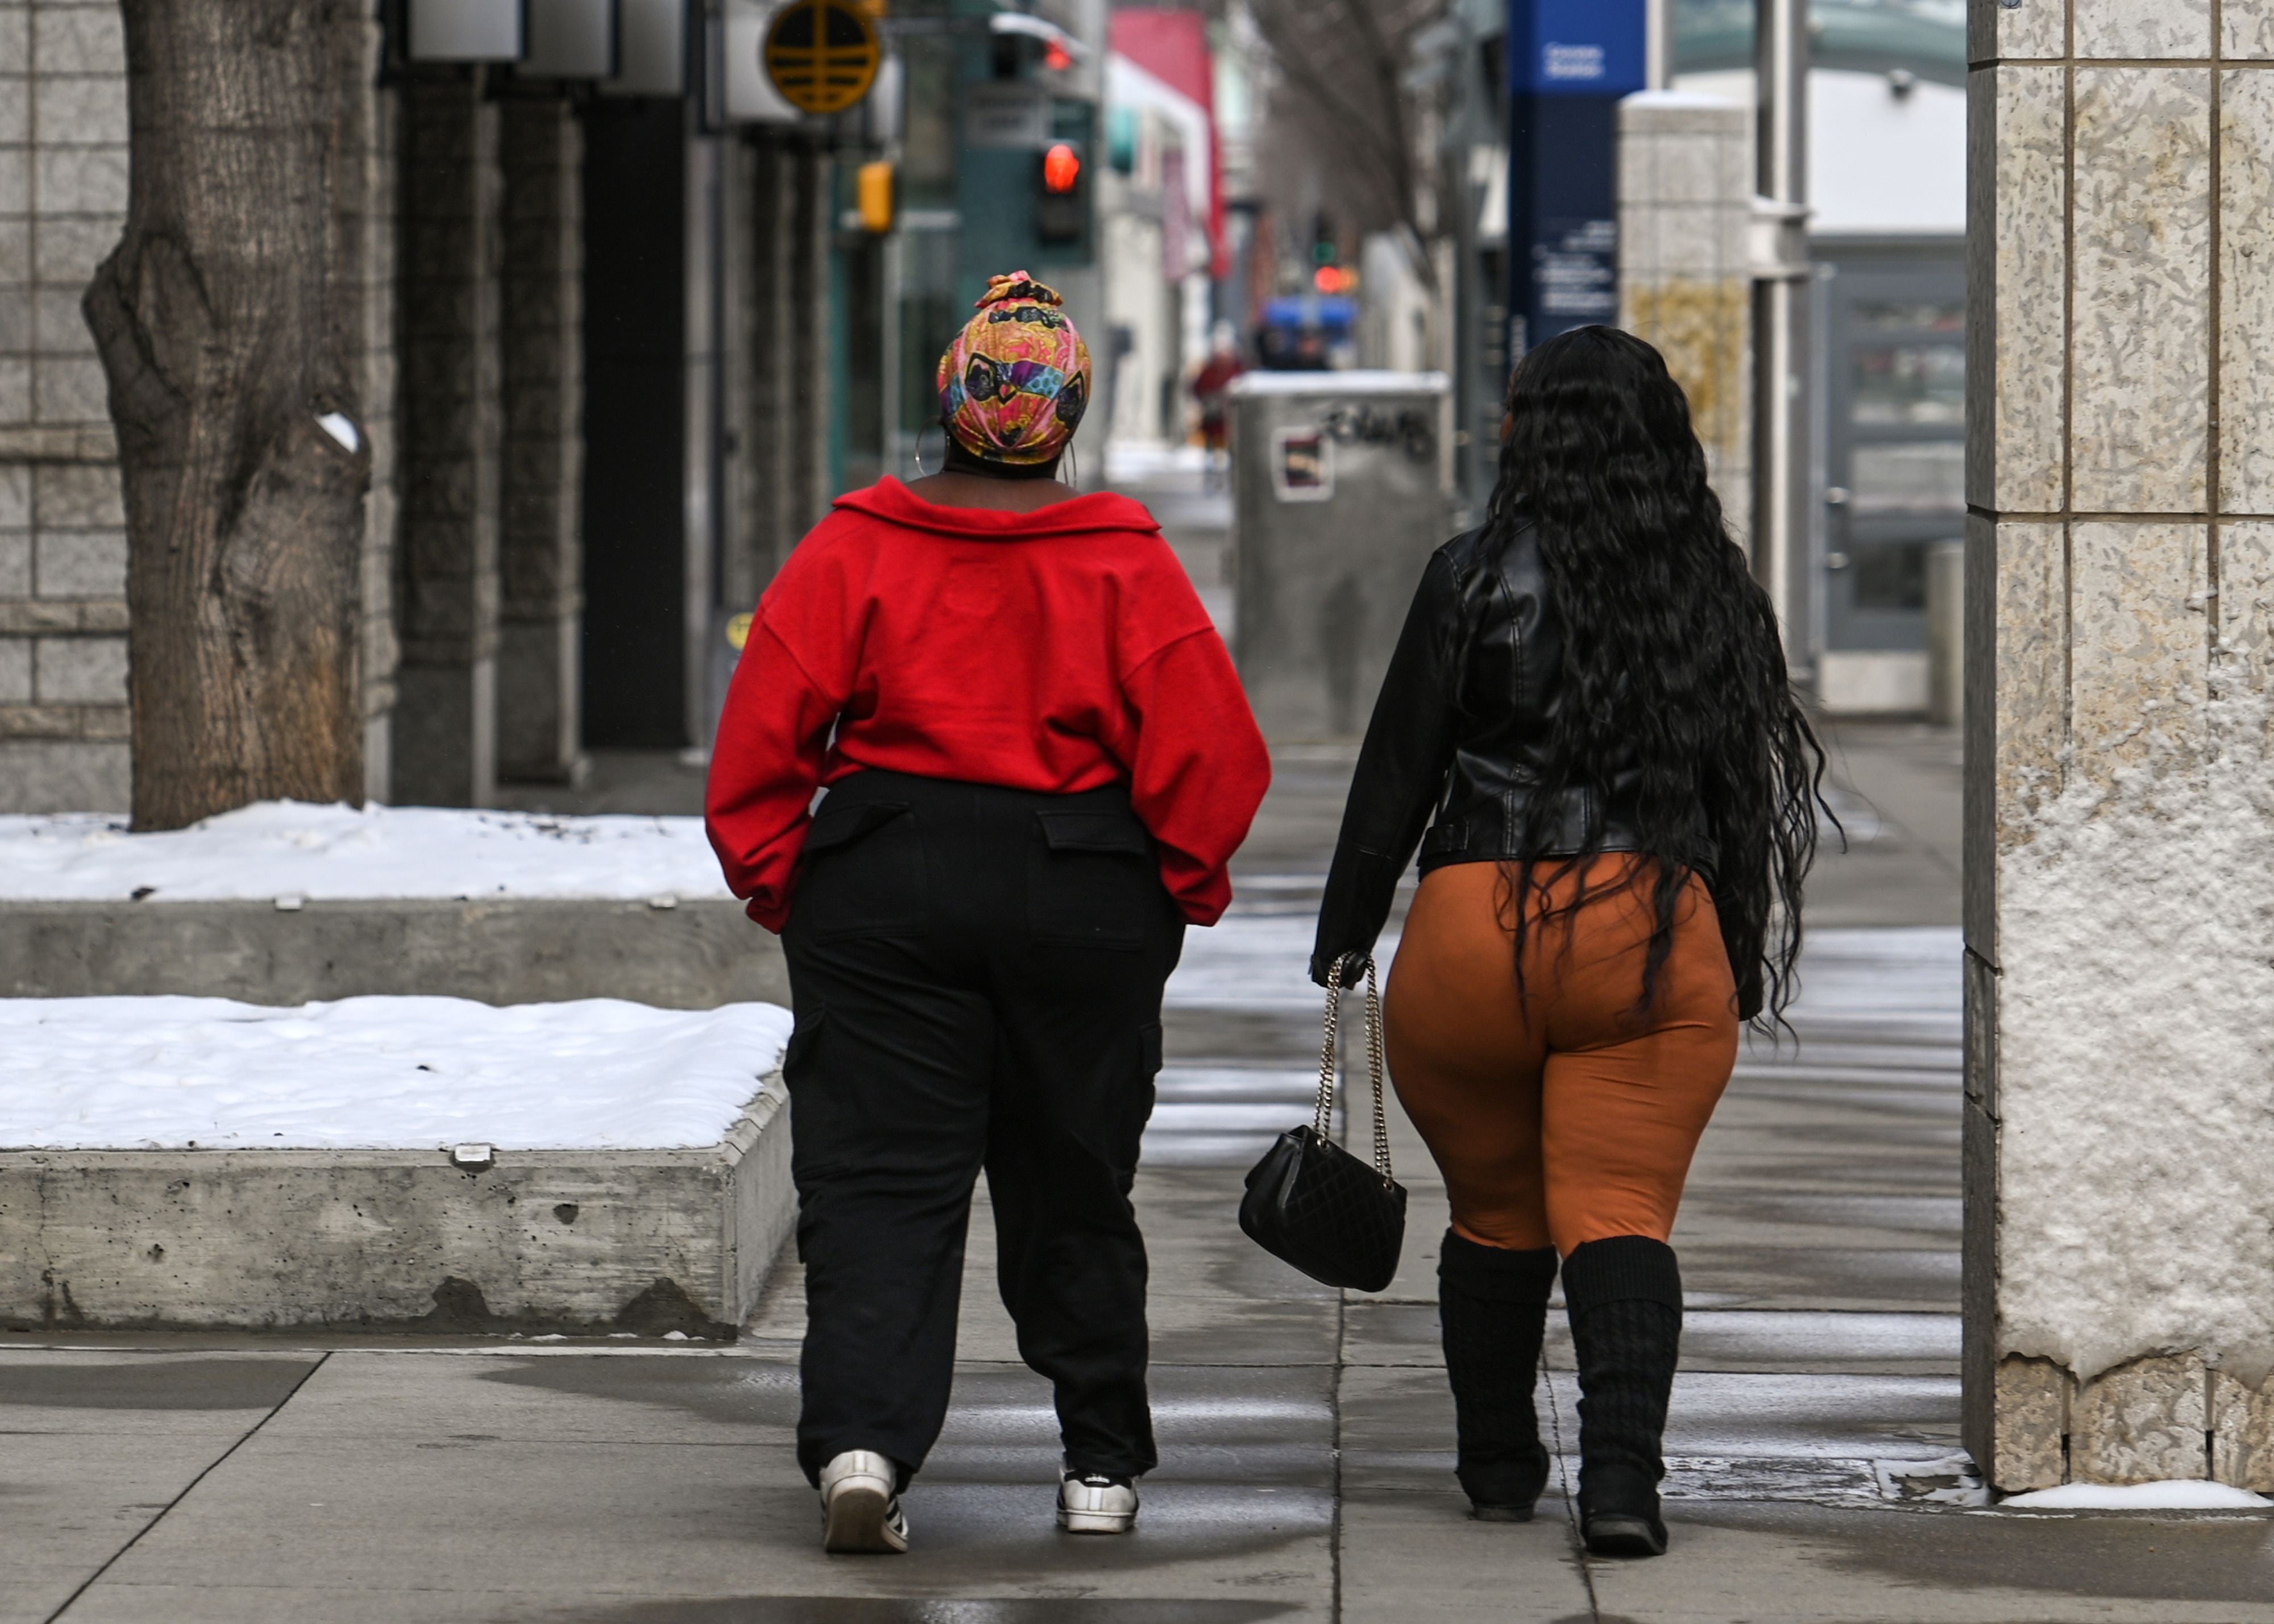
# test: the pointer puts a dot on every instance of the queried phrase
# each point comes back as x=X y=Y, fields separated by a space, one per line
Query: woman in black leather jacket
x=1588 y=712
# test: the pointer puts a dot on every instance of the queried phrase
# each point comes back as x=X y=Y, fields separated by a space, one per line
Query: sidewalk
x=1307 y=1435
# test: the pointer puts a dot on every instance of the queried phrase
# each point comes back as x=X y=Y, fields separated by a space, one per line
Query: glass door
x=1895 y=460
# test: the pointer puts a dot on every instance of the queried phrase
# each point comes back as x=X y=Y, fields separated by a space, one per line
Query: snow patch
x=287 y=849
x=1951 y=1480
x=2178 y=1495
x=2135 y=1055
x=340 y=428
x=378 y=1073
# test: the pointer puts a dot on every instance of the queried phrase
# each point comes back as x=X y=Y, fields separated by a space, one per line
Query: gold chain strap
x=1323 y=1113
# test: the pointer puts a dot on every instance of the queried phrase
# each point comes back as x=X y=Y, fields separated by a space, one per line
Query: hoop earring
x=915 y=451
x=1072 y=468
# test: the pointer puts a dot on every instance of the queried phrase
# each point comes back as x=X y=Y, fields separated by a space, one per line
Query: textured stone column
x=746 y=553
x=446 y=578
x=542 y=462
x=810 y=228
x=376 y=131
x=786 y=335
x=1685 y=196
x=773 y=373
x=2119 y=1096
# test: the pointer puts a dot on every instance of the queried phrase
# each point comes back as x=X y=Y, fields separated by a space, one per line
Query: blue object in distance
x=1329 y=312
x=1577 y=48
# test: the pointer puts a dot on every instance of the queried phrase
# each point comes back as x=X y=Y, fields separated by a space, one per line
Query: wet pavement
x=1307 y=1435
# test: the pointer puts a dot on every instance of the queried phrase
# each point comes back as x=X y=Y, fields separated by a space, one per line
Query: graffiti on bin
x=1412 y=427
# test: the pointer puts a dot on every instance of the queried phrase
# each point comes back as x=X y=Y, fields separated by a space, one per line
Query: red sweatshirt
x=1058 y=651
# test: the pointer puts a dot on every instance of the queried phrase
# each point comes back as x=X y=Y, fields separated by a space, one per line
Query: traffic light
x=1062 y=200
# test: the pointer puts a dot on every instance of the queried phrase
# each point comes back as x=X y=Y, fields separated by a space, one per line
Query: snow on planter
x=2177 y=1494
x=378 y=1073
x=278 y=848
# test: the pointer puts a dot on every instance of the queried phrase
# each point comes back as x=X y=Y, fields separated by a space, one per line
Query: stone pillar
x=1685 y=267
x=540 y=535
x=745 y=560
x=774 y=373
x=810 y=230
x=2119 y=1247
x=445 y=577
x=708 y=661
x=376 y=131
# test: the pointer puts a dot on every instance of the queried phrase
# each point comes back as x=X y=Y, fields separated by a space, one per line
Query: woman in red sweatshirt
x=1039 y=761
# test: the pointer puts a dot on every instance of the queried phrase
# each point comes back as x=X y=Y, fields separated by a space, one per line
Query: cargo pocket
x=1092 y=881
x=861 y=873
x=819 y=1118
x=797 y=1054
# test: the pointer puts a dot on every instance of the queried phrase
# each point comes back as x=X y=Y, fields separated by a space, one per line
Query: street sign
x=1576 y=47
x=823 y=55
x=1006 y=115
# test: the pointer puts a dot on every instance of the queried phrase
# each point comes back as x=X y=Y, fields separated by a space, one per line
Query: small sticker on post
x=342 y=428
x=1302 y=465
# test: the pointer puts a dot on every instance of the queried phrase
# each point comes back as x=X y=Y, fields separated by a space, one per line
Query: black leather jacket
x=1464 y=732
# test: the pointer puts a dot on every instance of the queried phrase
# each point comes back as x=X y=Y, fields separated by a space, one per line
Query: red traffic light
x=1061 y=168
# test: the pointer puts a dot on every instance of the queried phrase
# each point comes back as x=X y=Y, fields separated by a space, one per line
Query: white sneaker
x=1093 y=1503
x=860 y=1514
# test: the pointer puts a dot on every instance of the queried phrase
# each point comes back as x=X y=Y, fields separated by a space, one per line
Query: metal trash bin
x=1341 y=487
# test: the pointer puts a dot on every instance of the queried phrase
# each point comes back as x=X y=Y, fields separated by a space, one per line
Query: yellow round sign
x=822 y=54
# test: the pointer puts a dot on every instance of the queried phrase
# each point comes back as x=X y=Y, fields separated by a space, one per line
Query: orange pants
x=1563 y=1116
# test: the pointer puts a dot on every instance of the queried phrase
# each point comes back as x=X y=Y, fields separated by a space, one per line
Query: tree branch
x=1332 y=100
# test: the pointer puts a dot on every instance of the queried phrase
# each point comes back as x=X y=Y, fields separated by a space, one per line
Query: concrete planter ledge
x=683 y=954
x=198 y=1230
x=284 y=902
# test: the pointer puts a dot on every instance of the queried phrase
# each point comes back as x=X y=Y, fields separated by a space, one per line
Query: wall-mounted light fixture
x=467 y=30
x=742 y=90
x=571 y=39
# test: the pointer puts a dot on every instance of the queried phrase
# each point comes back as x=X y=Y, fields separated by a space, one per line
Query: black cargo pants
x=977 y=973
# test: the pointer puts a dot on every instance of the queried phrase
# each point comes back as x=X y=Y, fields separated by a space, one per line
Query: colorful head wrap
x=1014 y=384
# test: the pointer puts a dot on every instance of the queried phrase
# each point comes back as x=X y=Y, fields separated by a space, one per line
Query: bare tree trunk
x=228 y=320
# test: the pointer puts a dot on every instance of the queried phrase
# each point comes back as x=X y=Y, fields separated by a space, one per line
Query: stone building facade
x=487 y=515
x=63 y=534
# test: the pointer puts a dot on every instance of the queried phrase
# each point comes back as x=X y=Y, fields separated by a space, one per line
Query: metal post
x=1780 y=320
x=891 y=446
x=1657 y=46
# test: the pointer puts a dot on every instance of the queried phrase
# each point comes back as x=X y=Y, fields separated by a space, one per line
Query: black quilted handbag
x=1310 y=1202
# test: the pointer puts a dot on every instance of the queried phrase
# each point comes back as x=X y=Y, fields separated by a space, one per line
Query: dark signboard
x=1570 y=61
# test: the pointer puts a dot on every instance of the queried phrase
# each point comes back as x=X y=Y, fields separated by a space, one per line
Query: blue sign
x=1577 y=48
x=1570 y=63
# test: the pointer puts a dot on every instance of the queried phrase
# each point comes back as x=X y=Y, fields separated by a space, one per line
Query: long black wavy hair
x=1672 y=660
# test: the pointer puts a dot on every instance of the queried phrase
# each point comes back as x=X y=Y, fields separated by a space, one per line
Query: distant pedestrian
x=1039 y=761
x=1588 y=711
x=1212 y=388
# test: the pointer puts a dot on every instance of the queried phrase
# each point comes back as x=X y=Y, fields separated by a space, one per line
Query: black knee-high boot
x=1624 y=1299
x=1493 y=1303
